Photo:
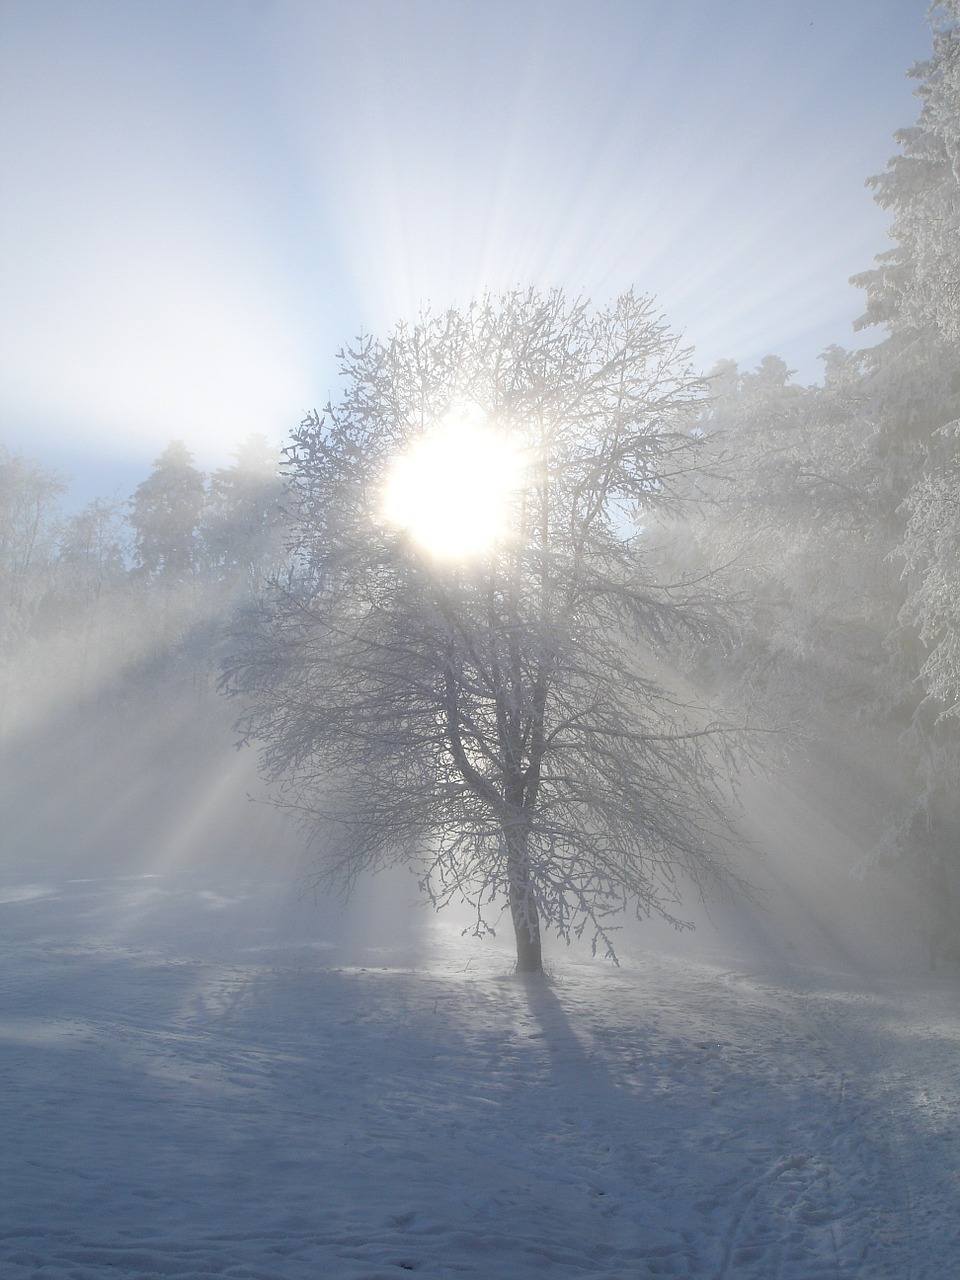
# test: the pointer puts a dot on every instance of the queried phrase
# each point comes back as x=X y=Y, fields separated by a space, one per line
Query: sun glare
x=450 y=489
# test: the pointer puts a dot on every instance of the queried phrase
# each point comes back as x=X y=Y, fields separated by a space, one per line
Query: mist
x=214 y=1064
x=126 y=769
x=283 y=810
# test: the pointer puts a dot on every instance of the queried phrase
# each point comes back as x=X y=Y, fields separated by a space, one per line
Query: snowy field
x=206 y=1079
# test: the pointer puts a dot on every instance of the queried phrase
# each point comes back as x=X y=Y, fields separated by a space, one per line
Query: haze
x=202 y=202
x=213 y=1063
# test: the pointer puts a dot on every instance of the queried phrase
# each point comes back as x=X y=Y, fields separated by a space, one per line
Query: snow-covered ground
x=205 y=1077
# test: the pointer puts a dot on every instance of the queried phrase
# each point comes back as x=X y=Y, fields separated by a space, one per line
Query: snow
x=208 y=1077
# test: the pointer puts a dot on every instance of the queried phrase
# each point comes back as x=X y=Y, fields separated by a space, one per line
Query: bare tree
x=500 y=716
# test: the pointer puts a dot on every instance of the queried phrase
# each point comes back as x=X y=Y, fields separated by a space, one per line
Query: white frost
x=209 y=1097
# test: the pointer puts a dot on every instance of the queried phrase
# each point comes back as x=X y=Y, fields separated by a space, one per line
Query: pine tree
x=862 y=479
x=165 y=515
x=29 y=494
x=243 y=523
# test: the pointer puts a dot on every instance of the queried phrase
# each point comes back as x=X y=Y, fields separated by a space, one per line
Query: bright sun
x=450 y=489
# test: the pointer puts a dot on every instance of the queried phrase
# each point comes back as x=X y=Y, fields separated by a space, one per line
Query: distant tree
x=87 y=610
x=803 y=522
x=815 y=529
x=843 y=518
x=243 y=523
x=165 y=515
x=504 y=717
x=29 y=496
x=913 y=379
x=91 y=557
x=915 y=293
x=930 y=551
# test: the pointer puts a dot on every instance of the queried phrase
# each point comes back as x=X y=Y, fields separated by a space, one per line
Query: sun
x=450 y=489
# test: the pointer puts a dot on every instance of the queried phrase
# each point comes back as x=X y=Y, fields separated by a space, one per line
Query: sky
x=201 y=201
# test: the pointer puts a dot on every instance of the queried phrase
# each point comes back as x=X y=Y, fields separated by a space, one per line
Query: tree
x=91 y=555
x=243 y=525
x=171 y=613
x=165 y=515
x=803 y=519
x=913 y=377
x=28 y=504
x=930 y=551
x=916 y=284
x=843 y=518
x=504 y=716
x=915 y=292
x=87 y=609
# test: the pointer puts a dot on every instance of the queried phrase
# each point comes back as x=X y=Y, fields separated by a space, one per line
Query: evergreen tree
x=87 y=616
x=915 y=293
x=915 y=287
x=243 y=523
x=29 y=495
x=844 y=513
x=796 y=522
x=91 y=555
x=165 y=514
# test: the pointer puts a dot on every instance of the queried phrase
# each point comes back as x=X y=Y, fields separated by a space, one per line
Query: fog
x=195 y=220
x=145 y=785
x=584 y=546
x=199 y=222
x=119 y=760
x=160 y=798
x=211 y=1067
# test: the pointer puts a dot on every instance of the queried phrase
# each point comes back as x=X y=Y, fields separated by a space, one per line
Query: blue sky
x=203 y=199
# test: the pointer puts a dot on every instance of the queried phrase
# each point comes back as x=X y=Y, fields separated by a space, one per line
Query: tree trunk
x=523 y=908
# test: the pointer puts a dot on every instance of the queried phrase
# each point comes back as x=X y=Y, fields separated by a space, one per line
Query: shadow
x=718 y=1129
x=285 y=1112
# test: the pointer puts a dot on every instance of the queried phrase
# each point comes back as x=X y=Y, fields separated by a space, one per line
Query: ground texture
x=185 y=1096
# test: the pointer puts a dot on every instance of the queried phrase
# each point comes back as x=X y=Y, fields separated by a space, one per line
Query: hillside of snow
x=210 y=1078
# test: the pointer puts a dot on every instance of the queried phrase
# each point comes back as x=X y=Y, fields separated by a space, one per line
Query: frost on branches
x=915 y=293
x=507 y=722
x=917 y=284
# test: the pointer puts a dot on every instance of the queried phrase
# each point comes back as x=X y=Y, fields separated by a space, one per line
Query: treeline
x=840 y=517
x=111 y=625
x=834 y=516
x=163 y=567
